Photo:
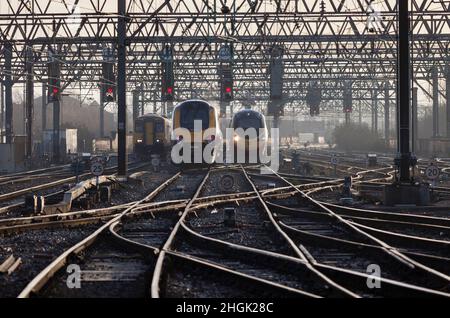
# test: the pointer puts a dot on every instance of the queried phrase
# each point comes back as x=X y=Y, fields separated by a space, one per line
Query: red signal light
x=169 y=90
x=109 y=90
x=227 y=89
x=55 y=91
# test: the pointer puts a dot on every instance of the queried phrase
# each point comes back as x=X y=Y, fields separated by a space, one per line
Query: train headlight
x=236 y=138
x=139 y=141
x=157 y=140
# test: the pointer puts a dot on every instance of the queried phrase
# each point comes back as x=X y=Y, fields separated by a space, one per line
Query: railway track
x=13 y=225
x=138 y=266
x=16 y=224
x=181 y=245
x=230 y=258
x=21 y=175
x=48 y=282
x=325 y=283
x=323 y=234
x=12 y=202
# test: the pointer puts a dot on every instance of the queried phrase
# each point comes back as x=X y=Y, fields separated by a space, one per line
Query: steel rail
x=44 y=276
x=207 y=265
x=200 y=202
x=390 y=250
x=396 y=288
x=430 y=248
x=18 y=193
x=290 y=242
x=154 y=289
x=31 y=172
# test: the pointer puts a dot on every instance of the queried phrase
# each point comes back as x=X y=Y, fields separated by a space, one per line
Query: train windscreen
x=248 y=120
x=139 y=126
x=159 y=127
x=191 y=111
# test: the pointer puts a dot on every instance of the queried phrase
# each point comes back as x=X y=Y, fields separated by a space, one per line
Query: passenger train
x=249 y=145
x=183 y=123
x=151 y=135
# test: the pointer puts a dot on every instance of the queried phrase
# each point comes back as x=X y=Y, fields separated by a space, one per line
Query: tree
x=357 y=137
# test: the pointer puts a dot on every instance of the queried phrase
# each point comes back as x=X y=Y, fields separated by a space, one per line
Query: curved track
x=284 y=243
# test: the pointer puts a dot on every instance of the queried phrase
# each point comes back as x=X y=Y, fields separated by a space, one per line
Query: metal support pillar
x=142 y=100
x=56 y=132
x=102 y=114
x=276 y=125
x=169 y=108
x=414 y=127
x=403 y=87
x=223 y=108
x=374 y=112
x=359 y=113
x=435 y=79
x=135 y=105
x=2 y=110
x=121 y=90
x=8 y=93
x=387 y=110
x=44 y=107
x=347 y=118
x=29 y=100
x=447 y=98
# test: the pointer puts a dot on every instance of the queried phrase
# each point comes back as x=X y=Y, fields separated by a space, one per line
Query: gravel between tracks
x=37 y=248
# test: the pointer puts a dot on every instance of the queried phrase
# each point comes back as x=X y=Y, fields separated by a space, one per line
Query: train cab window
x=191 y=111
x=248 y=120
x=159 y=127
x=138 y=127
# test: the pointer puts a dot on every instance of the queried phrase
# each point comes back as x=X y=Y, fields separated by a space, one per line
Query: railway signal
x=108 y=82
x=347 y=99
x=275 y=109
x=276 y=71
x=167 y=82
x=313 y=100
x=167 y=75
x=54 y=81
x=227 y=90
x=276 y=78
x=226 y=83
x=225 y=72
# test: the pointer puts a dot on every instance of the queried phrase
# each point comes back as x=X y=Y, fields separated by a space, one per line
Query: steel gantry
x=331 y=42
